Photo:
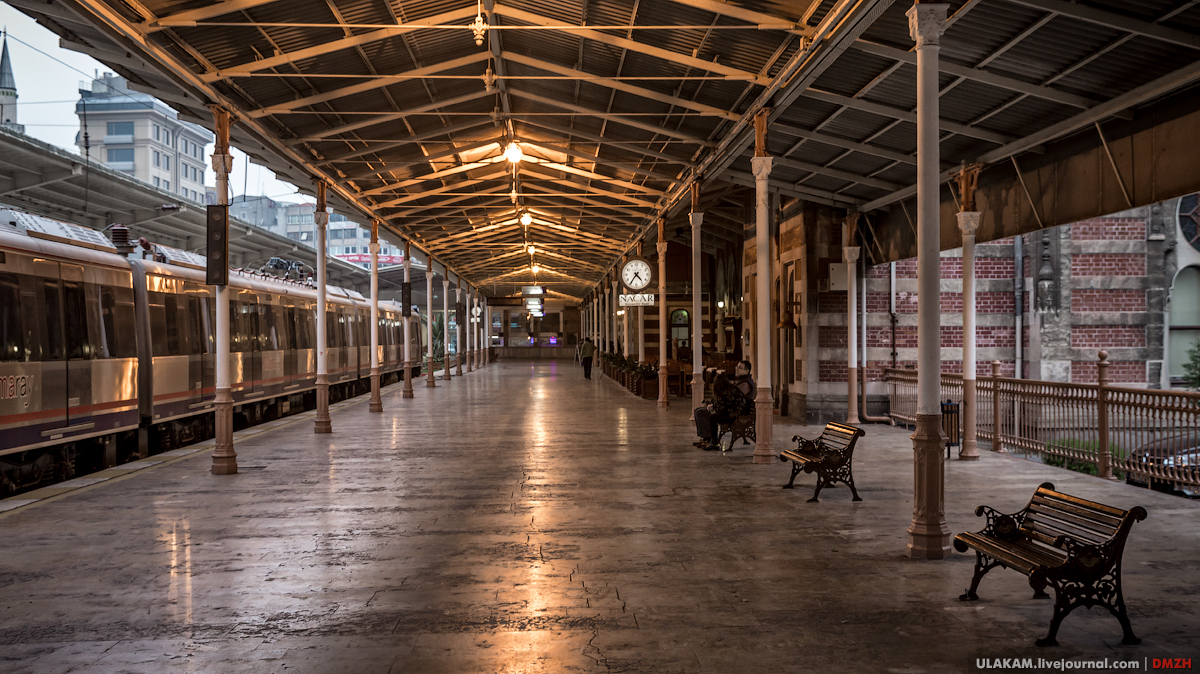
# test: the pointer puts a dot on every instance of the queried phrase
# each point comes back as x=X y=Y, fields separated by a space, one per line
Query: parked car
x=1180 y=451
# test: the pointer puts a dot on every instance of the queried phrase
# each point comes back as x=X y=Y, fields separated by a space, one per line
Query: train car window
x=52 y=344
x=75 y=321
x=108 y=325
x=116 y=306
x=206 y=315
x=271 y=313
x=237 y=332
x=12 y=339
x=158 y=323
x=331 y=332
x=195 y=325
x=96 y=335
x=171 y=306
x=289 y=328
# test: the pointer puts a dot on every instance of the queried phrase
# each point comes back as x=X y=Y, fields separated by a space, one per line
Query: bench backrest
x=1051 y=514
x=839 y=437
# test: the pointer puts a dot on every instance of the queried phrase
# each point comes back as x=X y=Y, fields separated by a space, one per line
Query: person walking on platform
x=585 y=356
x=728 y=404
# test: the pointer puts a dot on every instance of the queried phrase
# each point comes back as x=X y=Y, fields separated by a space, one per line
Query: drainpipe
x=862 y=389
x=1019 y=295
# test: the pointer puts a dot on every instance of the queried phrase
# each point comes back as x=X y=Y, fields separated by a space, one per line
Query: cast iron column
x=446 y=325
x=697 y=219
x=664 y=399
x=460 y=337
x=323 y=423
x=430 y=380
x=376 y=404
x=224 y=458
x=968 y=222
x=406 y=312
x=851 y=257
x=928 y=537
x=763 y=402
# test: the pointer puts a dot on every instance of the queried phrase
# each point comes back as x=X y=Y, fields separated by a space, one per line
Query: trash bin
x=950 y=425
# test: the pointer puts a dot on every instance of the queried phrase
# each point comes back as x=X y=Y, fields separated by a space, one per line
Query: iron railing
x=1148 y=435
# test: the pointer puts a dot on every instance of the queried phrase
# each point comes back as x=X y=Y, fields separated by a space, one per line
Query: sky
x=48 y=82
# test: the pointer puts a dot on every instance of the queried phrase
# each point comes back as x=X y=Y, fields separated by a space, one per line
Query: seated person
x=728 y=404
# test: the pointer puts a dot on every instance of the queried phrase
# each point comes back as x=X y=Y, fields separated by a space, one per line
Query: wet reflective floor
x=522 y=519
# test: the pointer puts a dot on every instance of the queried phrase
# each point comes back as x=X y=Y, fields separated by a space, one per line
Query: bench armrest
x=1004 y=526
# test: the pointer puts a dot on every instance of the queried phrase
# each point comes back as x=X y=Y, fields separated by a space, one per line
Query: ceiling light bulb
x=526 y=218
x=536 y=269
x=513 y=153
x=532 y=250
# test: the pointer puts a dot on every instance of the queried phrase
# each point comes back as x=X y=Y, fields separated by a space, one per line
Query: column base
x=664 y=398
x=970 y=444
x=407 y=391
x=764 y=412
x=458 y=365
x=852 y=396
x=376 y=401
x=224 y=458
x=928 y=536
x=446 y=369
x=323 y=424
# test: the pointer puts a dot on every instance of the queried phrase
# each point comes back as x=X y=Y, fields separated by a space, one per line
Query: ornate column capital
x=446 y=284
x=926 y=22
x=968 y=222
x=761 y=167
x=696 y=219
x=662 y=247
x=374 y=247
x=851 y=253
x=321 y=218
x=222 y=164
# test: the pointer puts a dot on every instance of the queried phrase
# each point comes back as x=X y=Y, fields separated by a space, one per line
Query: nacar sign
x=637 y=300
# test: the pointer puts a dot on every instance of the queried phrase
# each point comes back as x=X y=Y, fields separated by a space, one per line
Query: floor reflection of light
x=622 y=429
x=181 y=571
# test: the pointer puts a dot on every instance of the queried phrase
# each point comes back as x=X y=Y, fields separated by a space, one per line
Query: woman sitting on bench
x=728 y=404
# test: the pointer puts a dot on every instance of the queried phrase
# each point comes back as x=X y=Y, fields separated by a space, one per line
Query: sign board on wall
x=637 y=300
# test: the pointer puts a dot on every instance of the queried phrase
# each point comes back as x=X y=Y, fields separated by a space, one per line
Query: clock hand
x=637 y=276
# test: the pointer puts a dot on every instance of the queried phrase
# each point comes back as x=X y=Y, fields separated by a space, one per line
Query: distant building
x=8 y=92
x=347 y=240
x=262 y=212
x=140 y=135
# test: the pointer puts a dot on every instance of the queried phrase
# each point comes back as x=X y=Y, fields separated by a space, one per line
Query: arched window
x=680 y=327
x=1185 y=318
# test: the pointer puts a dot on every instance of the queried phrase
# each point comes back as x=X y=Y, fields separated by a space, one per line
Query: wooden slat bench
x=741 y=427
x=1072 y=544
x=829 y=456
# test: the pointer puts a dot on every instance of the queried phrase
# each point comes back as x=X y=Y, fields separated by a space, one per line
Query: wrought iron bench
x=829 y=456
x=741 y=427
x=1059 y=540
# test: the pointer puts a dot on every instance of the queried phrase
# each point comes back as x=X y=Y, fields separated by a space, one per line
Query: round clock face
x=636 y=274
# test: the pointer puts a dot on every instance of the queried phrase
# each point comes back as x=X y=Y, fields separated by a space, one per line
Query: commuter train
x=107 y=357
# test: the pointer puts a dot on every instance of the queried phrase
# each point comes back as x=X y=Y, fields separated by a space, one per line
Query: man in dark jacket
x=724 y=410
x=585 y=357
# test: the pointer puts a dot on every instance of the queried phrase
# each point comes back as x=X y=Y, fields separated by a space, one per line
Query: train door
x=79 y=345
x=254 y=330
x=48 y=292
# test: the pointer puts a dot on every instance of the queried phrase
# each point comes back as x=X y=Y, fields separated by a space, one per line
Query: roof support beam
x=570 y=152
x=905 y=115
x=369 y=85
x=844 y=143
x=445 y=188
x=536 y=98
x=641 y=48
x=591 y=137
x=210 y=12
x=1114 y=21
x=28 y=181
x=417 y=138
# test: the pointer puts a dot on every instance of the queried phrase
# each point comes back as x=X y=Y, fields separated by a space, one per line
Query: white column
x=763 y=402
x=430 y=380
x=407 y=314
x=641 y=321
x=697 y=219
x=224 y=458
x=464 y=323
x=486 y=332
x=664 y=397
x=928 y=536
x=968 y=222
x=616 y=331
x=625 y=329
x=603 y=317
x=376 y=404
x=323 y=423
x=446 y=325
x=470 y=307
x=851 y=258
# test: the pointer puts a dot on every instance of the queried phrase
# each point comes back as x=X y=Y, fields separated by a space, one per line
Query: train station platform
x=522 y=519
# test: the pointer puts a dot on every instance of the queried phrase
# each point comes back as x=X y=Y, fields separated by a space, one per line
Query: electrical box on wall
x=837 y=276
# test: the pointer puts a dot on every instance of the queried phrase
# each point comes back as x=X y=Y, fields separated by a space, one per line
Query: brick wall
x=1108 y=264
x=1109 y=229
x=1125 y=371
x=1107 y=336
x=1108 y=300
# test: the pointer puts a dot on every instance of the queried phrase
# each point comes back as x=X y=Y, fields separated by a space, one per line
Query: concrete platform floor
x=522 y=519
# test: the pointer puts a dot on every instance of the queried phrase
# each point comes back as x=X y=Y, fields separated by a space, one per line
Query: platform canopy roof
x=619 y=105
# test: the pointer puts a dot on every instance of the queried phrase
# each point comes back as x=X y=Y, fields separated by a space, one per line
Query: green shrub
x=1116 y=453
x=1191 y=368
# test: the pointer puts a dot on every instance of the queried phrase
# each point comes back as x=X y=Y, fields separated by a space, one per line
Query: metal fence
x=1149 y=435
